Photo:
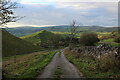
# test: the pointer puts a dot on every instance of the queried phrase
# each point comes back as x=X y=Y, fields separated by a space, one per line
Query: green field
x=111 y=42
x=108 y=38
x=26 y=66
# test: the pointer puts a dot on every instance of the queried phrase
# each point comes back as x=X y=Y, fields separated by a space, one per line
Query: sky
x=62 y=12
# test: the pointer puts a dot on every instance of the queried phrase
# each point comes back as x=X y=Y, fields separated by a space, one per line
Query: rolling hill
x=109 y=29
x=26 y=30
x=12 y=45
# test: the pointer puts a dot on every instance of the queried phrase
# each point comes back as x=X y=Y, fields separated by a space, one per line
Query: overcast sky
x=62 y=12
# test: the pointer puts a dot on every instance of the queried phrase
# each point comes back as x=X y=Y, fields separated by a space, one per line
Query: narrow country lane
x=69 y=70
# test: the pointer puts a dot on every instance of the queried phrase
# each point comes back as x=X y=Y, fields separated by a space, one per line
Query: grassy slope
x=26 y=66
x=13 y=45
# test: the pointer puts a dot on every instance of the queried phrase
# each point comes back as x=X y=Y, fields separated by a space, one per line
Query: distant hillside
x=12 y=45
x=23 y=30
x=109 y=29
x=26 y=30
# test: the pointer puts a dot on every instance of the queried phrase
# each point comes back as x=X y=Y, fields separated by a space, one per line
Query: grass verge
x=27 y=66
x=89 y=67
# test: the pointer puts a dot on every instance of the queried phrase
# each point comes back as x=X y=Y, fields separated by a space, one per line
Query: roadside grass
x=88 y=66
x=27 y=66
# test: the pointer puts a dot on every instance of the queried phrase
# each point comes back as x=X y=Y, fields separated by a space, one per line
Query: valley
x=27 y=58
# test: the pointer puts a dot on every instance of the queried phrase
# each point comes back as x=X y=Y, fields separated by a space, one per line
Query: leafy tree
x=6 y=12
x=88 y=39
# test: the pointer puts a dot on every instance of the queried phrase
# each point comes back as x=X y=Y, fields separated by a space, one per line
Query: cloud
x=55 y=13
x=67 y=0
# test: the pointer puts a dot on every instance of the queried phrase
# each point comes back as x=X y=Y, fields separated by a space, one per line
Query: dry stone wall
x=97 y=51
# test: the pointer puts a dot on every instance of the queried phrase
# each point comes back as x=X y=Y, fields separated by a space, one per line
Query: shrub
x=88 y=39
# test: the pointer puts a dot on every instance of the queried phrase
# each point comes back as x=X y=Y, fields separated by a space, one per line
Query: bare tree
x=7 y=15
x=73 y=29
x=6 y=12
x=73 y=32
